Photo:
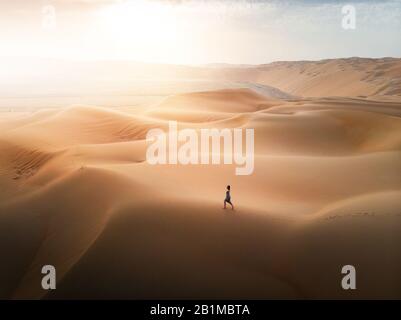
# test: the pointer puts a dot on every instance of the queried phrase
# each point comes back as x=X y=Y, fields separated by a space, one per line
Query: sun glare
x=141 y=25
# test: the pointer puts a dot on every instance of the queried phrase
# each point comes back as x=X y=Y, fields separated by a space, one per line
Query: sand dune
x=123 y=84
x=332 y=77
x=77 y=193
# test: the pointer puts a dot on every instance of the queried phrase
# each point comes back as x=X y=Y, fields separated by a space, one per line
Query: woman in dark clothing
x=228 y=198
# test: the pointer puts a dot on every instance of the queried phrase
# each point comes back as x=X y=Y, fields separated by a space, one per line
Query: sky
x=198 y=31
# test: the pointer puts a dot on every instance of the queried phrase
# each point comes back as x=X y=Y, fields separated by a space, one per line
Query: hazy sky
x=198 y=31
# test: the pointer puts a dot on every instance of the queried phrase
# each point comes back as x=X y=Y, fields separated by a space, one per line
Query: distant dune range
x=336 y=77
x=39 y=83
x=77 y=193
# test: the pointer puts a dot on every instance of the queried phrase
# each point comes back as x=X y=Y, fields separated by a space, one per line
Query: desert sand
x=77 y=192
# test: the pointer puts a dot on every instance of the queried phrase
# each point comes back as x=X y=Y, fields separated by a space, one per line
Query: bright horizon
x=198 y=32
